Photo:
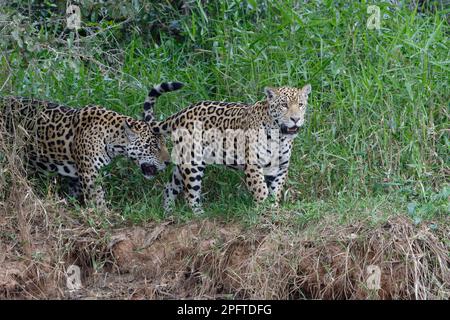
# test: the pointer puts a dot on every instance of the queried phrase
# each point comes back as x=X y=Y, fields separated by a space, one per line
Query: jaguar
x=77 y=142
x=256 y=138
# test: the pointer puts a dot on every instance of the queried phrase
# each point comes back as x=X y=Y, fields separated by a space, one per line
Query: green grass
x=377 y=125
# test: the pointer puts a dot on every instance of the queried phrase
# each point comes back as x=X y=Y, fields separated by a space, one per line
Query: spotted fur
x=279 y=117
x=77 y=143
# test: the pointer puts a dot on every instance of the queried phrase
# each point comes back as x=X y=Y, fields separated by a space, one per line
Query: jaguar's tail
x=153 y=95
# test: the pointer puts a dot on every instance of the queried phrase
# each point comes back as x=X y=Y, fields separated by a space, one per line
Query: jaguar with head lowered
x=77 y=143
x=256 y=138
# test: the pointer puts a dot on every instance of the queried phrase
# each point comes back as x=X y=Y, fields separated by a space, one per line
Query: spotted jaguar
x=256 y=138
x=77 y=142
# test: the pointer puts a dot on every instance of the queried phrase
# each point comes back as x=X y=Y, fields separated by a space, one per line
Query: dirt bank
x=211 y=259
x=41 y=241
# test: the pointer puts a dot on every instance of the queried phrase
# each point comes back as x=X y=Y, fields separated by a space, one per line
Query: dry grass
x=206 y=258
x=20 y=209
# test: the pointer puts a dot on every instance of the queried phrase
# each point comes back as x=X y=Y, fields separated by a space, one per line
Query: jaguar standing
x=269 y=127
x=77 y=143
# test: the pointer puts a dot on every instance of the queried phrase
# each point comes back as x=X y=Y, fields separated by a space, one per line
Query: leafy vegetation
x=377 y=127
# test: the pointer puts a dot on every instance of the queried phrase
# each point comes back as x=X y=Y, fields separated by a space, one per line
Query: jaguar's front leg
x=275 y=184
x=74 y=189
x=254 y=178
x=172 y=189
x=278 y=174
x=192 y=180
x=92 y=192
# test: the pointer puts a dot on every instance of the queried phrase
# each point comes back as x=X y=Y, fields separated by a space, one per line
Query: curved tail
x=153 y=95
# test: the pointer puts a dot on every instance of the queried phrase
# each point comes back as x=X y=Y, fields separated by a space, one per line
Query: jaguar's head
x=287 y=106
x=147 y=149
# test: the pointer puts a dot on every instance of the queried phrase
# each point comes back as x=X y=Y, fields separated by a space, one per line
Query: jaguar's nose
x=294 y=119
x=149 y=169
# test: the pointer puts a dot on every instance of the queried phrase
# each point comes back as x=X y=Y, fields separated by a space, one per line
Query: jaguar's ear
x=129 y=130
x=306 y=90
x=270 y=92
